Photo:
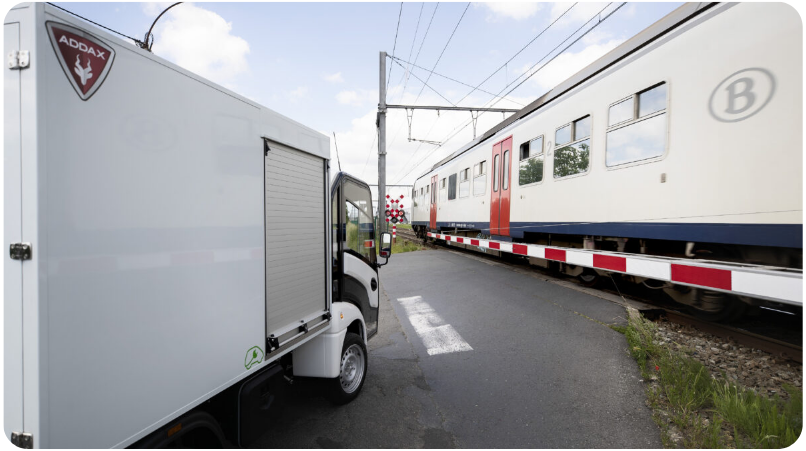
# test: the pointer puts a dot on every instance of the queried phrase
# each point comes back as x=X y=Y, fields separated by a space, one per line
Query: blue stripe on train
x=779 y=235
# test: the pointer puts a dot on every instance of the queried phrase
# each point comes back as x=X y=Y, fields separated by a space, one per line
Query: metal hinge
x=19 y=59
x=20 y=251
x=23 y=440
x=272 y=343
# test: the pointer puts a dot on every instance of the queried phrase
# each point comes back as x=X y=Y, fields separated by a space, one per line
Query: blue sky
x=318 y=62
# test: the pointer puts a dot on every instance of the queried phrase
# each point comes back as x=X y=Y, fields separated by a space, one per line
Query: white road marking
x=438 y=337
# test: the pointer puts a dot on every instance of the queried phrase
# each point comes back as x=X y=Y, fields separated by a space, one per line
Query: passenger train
x=684 y=142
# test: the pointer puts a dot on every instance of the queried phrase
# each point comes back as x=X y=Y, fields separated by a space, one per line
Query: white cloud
x=298 y=94
x=333 y=78
x=570 y=63
x=512 y=10
x=199 y=41
x=358 y=97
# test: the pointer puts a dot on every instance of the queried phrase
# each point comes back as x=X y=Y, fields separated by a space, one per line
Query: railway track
x=409 y=235
x=656 y=309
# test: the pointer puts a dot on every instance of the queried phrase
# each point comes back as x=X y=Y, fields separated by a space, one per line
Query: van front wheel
x=352 y=370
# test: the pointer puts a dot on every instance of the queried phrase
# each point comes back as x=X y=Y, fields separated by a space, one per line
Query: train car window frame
x=495 y=172
x=574 y=141
x=443 y=190
x=507 y=164
x=533 y=155
x=637 y=119
x=452 y=186
x=479 y=176
x=464 y=183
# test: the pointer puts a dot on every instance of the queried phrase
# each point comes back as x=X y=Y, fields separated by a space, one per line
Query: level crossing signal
x=394 y=210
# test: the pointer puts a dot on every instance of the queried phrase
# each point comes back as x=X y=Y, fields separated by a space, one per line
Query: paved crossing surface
x=473 y=354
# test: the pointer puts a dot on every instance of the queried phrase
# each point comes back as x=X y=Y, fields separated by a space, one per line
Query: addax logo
x=85 y=59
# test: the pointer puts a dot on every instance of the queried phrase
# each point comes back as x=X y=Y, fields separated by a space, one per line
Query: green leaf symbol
x=254 y=354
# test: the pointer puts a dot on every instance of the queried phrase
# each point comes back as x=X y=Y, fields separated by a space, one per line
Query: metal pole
x=382 y=147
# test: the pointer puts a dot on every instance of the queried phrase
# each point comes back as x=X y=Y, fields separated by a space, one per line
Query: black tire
x=353 y=364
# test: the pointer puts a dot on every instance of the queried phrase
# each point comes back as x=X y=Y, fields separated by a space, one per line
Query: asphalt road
x=474 y=354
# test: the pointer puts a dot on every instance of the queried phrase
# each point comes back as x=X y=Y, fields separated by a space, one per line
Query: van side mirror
x=386 y=247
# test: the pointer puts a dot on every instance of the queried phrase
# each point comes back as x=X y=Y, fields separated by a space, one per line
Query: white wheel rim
x=352 y=368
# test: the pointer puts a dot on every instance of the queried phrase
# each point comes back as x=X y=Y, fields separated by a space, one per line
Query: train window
x=464 y=183
x=443 y=192
x=480 y=169
x=621 y=112
x=563 y=135
x=531 y=167
x=506 y=170
x=452 y=187
x=652 y=100
x=479 y=178
x=571 y=158
x=524 y=151
x=582 y=128
x=643 y=135
x=637 y=141
x=495 y=173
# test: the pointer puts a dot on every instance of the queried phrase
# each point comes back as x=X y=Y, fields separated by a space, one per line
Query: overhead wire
x=449 y=78
x=411 y=50
x=413 y=41
x=547 y=62
x=517 y=53
x=399 y=14
x=443 y=49
x=477 y=87
x=432 y=71
x=435 y=64
x=425 y=84
x=601 y=20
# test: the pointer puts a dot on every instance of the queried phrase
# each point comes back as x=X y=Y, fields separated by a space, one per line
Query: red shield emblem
x=85 y=59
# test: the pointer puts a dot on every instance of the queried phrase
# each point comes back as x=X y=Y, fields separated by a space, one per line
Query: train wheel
x=717 y=307
x=589 y=278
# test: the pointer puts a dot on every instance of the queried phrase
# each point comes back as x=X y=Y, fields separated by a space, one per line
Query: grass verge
x=696 y=409
x=405 y=246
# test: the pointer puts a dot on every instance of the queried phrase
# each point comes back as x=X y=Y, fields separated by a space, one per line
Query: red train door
x=501 y=181
x=433 y=202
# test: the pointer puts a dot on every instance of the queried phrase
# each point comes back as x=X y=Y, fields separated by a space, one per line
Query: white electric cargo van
x=174 y=252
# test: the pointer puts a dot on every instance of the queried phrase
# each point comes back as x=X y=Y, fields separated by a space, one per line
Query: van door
x=12 y=289
x=296 y=232
x=355 y=272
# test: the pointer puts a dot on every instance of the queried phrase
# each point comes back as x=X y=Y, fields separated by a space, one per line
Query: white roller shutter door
x=295 y=238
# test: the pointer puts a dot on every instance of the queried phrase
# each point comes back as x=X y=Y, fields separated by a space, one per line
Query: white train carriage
x=685 y=141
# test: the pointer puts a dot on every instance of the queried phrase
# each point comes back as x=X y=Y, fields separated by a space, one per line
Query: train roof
x=640 y=40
